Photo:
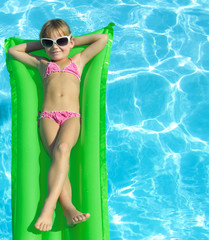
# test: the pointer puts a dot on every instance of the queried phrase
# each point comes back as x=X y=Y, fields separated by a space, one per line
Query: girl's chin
x=56 y=57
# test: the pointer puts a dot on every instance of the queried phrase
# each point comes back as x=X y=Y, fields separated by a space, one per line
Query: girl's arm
x=21 y=52
x=96 y=43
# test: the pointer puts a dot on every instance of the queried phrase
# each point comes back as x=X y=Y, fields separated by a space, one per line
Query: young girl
x=59 y=120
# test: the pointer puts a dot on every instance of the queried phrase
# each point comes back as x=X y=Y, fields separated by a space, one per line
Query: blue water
x=157 y=110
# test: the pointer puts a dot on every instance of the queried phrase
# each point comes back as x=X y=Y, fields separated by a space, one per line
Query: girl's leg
x=58 y=182
x=48 y=132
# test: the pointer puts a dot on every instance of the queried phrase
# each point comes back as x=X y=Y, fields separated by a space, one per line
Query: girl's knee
x=63 y=148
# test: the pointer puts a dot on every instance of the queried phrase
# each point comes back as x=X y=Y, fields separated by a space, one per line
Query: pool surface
x=157 y=110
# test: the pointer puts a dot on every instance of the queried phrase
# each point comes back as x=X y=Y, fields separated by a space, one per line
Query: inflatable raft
x=30 y=162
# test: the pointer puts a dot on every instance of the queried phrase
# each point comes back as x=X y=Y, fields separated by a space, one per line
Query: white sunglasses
x=62 y=41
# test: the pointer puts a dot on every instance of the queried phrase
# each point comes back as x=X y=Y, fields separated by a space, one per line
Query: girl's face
x=57 y=52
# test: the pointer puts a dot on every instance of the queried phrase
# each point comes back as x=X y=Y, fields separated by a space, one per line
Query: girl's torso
x=61 y=85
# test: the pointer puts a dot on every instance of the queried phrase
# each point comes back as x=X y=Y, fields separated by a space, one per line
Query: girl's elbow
x=10 y=51
x=106 y=38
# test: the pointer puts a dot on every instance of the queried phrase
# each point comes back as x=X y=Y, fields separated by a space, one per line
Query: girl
x=59 y=122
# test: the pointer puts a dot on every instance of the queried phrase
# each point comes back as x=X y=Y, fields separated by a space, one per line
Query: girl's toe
x=37 y=226
x=40 y=227
x=44 y=227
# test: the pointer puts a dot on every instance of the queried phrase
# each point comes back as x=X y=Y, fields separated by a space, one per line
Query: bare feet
x=44 y=222
x=74 y=217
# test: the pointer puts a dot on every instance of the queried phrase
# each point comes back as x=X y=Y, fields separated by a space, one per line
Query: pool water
x=157 y=110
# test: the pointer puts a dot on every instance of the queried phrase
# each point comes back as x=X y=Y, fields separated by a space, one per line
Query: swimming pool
x=157 y=110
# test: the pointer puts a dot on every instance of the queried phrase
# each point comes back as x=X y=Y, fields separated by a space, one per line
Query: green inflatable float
x=30 y=162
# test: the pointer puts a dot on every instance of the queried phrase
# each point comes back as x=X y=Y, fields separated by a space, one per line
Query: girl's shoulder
x=76 y=57
x=44 y=60
x=43 y=64
x=77 y=60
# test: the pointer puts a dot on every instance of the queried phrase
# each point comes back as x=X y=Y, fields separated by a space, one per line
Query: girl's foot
x=44 y=222
x=74 y=217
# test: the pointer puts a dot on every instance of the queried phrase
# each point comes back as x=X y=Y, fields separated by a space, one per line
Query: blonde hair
x=58 y=25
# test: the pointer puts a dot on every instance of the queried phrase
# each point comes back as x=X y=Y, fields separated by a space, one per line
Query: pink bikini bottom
x=58 y=116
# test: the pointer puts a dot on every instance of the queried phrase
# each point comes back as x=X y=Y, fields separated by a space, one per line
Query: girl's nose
x=55 y=46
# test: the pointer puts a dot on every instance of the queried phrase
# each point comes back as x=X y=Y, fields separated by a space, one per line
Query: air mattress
x=30 y=162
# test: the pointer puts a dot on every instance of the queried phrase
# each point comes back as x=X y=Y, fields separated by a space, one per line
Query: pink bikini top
x=53 y=67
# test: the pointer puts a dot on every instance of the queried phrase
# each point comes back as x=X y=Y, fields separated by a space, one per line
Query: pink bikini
x=71 y=68
x=60 y=116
